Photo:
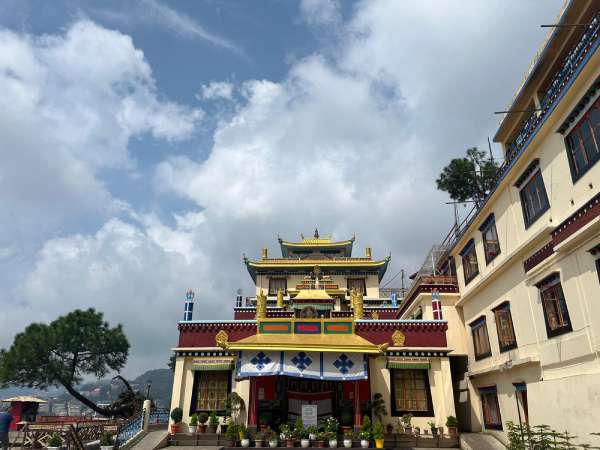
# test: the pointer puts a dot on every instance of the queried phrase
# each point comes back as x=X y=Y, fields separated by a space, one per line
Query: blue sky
x=147 y=144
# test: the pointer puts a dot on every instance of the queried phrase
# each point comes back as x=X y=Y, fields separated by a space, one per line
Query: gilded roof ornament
x=398 y=338
x=222 y=339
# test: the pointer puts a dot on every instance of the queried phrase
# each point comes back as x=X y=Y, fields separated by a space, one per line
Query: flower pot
x=245 y=442
x=192 y=429
x=201 y=428
x=104 y=447
x=378 y=443
x=364 y=443
x=389 y=428
x=452 y=431
x=321 y=444
x=174 y=428
x=348 y=443
x=304 y=443
x=273 y=444
x=211 y=429
x=333 y=443
x=289 y=443
x=434 y=431
x=312 y=436
x=408 y=429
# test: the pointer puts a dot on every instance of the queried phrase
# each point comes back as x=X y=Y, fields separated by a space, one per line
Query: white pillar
x=147 y=406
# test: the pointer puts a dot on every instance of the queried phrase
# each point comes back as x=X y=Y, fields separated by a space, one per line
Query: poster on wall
x=309 y=415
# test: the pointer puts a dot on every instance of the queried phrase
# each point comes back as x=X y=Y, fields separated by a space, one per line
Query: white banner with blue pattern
x=314 y=365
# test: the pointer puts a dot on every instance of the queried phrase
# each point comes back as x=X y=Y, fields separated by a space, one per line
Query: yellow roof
x=314 y=242
x=312 y=294
x=270 y=262
x=308 y=342
x=25 y=398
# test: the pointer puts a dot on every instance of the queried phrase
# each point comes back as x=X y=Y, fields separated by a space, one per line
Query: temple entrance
x=280 y=399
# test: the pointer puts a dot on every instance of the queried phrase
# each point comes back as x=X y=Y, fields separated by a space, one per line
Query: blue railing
x=131 y=429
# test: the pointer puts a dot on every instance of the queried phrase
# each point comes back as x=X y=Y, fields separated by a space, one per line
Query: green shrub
x=213 y=421
x=177 y=415
x=55 y=440
x=194 y=420
x=451 y=421
x=106 y=439
x=377 y=430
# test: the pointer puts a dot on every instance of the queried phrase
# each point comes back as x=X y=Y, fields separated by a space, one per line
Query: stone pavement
x=152 y=441
x=480 y=441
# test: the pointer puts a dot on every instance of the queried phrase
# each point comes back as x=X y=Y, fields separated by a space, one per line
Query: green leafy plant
x=378 y=430
x=312 y=430
x=194 y=419
x=106 y=439
x=379 y=407
x=55 y=440
x=451 y=421
x=432 y=424
x=177 y=415
x=286 y=431
x=348 y=434
x=322 y=436
x=242 y=431
x=232 y=432
x=213 y=421
x=202 y=417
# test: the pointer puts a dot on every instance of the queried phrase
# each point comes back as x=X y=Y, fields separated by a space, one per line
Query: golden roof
x=312 y=294
x=337 y=262
x=308 y=342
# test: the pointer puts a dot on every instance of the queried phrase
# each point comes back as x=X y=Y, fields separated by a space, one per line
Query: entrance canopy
x=334 y=366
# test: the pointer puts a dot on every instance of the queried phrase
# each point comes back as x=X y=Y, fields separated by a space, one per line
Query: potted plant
x=55 y=442
x=272 y=438
x=433 y=427
x=243 y=434
x=417 y=430
x=213 y=422
x=332 y=438
x=106 y=441
x=301 y=433
x=378 y=434
x=202 y=418
x=321 y=438
x=332 y=425
x=312 y=432
x=348 y=438
x=176 y=417
x=193 y=423
x=287 y=435
x=365 y=432
x=406 y=423
x=232 y=434
x=259 y=437
x=452 y=424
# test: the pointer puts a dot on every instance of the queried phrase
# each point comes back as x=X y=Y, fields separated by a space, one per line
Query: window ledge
x=507 y=365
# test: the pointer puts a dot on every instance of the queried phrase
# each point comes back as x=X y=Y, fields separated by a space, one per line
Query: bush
x=202 y=417
x=106 y=439
x=233 y=432
x=177 y=415
x=56 y=441
x=213 y=421
x=451 y=421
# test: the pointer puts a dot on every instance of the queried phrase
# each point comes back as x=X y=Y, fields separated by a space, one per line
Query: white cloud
x=321 y=12
x=184 y=25
x=217 y=90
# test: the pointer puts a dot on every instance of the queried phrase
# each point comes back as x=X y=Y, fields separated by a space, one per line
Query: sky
x=146 y=145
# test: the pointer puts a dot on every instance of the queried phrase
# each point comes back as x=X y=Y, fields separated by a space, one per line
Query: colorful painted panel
x=313 y=365
x=338 y=327
x=307 y=327
x=275 y=327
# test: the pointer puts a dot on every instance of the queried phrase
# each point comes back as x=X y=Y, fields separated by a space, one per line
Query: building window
x=277 y=283
x=411 y=392
x=583 y=142
x=481 y=340
x=522 y=405
x=469 y=261
x=556 y=314
x=504 y=327
x=211 y=389
x=491 y=408
x=534 y=200
x=491 y=244
x=359 y=284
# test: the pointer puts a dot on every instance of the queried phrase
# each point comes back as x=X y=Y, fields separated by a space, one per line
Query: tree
x=469 y=178
x=63 y=351
x=171 y=363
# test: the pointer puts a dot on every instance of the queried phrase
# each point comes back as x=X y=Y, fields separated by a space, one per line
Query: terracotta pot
x=452 y=431
x=289 y=443
x=211 y=429
x=201 y=428
x=321 y=444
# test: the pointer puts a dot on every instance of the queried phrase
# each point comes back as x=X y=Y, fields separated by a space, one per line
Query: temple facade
x=318 y=331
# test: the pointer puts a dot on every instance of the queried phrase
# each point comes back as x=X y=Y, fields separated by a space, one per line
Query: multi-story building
x=525 y=266
x=319 y=332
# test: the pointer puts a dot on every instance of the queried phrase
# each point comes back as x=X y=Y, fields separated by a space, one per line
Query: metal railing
x=130 y=429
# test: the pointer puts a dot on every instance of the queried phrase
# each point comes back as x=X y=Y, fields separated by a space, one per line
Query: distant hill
x=161 y=387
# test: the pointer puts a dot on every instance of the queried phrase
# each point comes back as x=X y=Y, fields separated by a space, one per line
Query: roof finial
x=316 y=233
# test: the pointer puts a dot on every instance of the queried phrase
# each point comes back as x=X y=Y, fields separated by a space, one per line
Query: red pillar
x=357 y=416
x=253 y=407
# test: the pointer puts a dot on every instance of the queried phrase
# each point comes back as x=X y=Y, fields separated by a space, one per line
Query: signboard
x=309 y=415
